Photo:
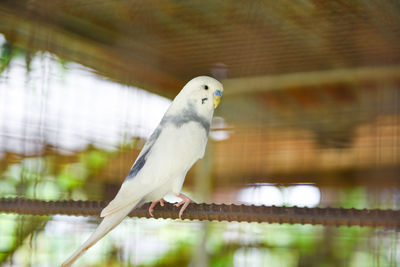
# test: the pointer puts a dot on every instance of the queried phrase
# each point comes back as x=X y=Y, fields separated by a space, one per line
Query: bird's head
x=204 y=90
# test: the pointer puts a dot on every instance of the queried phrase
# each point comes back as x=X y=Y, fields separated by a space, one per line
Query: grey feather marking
x=138 y=164
x=189 y=114
x=154 y=136
x=143 y=157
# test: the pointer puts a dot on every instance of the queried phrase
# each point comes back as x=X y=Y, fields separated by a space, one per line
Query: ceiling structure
x=159 y=45
x=326 y=71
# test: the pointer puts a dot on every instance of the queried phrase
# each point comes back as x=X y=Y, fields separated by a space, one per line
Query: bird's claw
x=185 y=202
x=179 y=204
x=153 y=204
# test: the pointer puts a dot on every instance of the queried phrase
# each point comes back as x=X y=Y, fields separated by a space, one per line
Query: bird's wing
x=174 y=151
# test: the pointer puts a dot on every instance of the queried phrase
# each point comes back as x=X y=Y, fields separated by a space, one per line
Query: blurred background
x=310 y=117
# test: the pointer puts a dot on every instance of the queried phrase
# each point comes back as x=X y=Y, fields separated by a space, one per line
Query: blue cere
x=218 y=93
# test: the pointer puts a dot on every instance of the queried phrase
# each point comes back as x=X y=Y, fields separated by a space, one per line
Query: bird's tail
x=108 y=223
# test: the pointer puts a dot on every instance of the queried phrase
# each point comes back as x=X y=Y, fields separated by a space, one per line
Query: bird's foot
x=153 y=204
x=185 y=202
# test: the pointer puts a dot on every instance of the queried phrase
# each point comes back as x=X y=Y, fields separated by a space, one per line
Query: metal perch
x=216 y=212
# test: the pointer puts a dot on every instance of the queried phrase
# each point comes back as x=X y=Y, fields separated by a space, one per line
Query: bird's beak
x=217 y=98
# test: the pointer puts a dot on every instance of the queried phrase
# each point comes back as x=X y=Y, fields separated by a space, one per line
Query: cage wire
x=59 y=141
x=66 y=132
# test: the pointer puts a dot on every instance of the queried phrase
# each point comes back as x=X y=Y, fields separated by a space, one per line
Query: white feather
x=177 y=143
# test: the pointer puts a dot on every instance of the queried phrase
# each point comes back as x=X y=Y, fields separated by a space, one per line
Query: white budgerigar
x=175 y=145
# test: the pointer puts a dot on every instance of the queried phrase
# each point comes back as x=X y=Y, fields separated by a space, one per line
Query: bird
x=175 y=145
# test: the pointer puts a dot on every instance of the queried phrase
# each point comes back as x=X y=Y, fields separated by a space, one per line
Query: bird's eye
x=206 y=87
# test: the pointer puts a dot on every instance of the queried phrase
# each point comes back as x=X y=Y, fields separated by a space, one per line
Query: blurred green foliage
x=39 y=178
x=8 y=52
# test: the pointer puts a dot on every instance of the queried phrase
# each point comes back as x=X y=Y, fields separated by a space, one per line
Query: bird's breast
x=176 y=149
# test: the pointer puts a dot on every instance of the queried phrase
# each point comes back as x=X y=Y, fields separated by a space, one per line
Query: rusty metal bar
x=216 y=212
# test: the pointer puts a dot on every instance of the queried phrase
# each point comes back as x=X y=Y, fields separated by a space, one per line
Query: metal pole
x=216 y=212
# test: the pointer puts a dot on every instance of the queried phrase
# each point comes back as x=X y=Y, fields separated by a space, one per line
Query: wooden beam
x=310 y=79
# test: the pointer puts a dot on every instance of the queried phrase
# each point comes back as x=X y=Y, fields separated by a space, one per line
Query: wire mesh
x=319 y=126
